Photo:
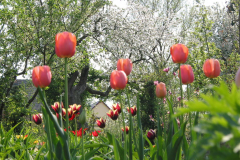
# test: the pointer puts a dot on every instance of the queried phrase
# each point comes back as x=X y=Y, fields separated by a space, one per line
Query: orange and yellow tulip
x=125 y=65
x=161 y=90
x=65 y=44
x=179 y=53
x=186 y=74
x=118 y=80
x=211 y=68
x=41 y=76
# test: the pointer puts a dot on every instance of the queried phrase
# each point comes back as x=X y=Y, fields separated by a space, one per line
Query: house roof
x=96 y=103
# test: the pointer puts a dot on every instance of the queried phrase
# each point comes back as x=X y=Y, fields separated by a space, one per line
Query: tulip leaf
x=174 y=147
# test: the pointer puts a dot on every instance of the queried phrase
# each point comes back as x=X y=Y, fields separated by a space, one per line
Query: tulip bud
x=41 y=76
x=65 y=44
x=37 y=118
x=161 y=91
x=124 y=65
x=56 y=106
x=117 y=107
x=187 y=75
x=179 y=53
x=101 y=123
x=118 y=80
x=211 y=68
x=126 y=129
x=113 y=114
x=133 y=110
x=151 y=134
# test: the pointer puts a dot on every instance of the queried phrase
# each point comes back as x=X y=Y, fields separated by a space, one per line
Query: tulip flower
x=161 y=91
x=126 y=129
x=76 y=108
x=118 y=80
x=79 y=132
x=237 y=78
x=117 y=107
x=179 y=53
x=151 y=134
x=211 y=68
x=95 y=133
x=133 y=110
x=65 y=44
x=186 y=74
x=41 y=76
x=101 y=123
x=37 y=118
x=125 y=65
x=56 y=106
x=113 y=114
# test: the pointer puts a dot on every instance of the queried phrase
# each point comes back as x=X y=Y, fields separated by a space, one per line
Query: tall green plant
x=220 y=128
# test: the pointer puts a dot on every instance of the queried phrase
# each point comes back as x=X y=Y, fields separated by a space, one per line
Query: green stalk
x=141 y=146
x=124 y=133
x=190 y=115
x=83 y=154
x=159 y=134
x=130 y=128
x=75 y=131
x=66 y=95
x=163 y=119
x=181 y=92
x=49 y=136
x=60 y=113
x=63 y=136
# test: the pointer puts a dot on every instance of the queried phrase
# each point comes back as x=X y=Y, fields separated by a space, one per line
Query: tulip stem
x=130 y=127
x=83 y=154
x=66 y=95
x=181 y=92
x=163 y=120
x=159 y=133
x=75 y=131
x=124 y=133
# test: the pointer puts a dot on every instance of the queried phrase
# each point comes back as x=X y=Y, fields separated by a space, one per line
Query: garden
x=168 y=70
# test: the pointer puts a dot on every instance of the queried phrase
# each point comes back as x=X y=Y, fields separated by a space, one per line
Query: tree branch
x=92 y=91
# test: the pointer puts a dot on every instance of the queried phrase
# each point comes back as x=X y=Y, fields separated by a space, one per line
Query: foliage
x=218 y=132
x=15 y=111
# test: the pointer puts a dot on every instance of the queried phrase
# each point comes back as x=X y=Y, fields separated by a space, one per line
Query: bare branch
x=92 y=91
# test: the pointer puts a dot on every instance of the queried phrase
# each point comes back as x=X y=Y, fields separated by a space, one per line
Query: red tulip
x=151 y=134
x=161 y=90
x=133 y=110
x=65 y=44
x=186 y=74
x=179 y=53
x=118 y=80
x=79 y=132
x=237 y=78
x=126 y=129
x=113 y=114
x=95 y=133
x=41 y=76
x=37 y=118
x=117 y=107
x=101 y=123
x=211 y=68
x=125 y=65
